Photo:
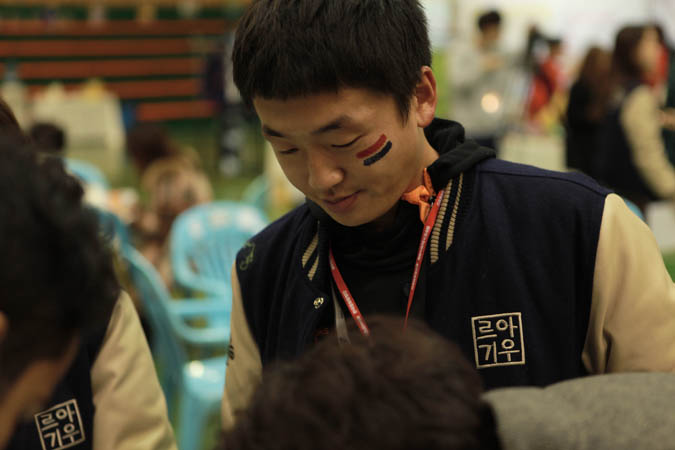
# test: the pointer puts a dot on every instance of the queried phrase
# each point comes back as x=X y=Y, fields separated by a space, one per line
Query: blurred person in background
x=414 y=390
x=657 y=77
x=547 y=97
x=109 y=397
x=632 y=158
x=586 y=110
x=663 y=81
x=172 y=181
x=48 y=138
x=481 y=77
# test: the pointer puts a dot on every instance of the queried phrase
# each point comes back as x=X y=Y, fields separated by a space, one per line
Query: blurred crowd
x=611 y=114
x=614 y=108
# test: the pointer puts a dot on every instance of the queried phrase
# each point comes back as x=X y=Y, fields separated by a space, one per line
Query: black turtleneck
x=377 y=265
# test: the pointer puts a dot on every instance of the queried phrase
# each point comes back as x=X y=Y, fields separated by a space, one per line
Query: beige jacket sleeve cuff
x=131 y=410
x=244 y=366
x=632 y=318
x=641 y=122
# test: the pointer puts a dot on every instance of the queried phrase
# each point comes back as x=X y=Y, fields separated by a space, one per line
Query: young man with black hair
x=75 y=368
x=415 y=390
x=538 y=276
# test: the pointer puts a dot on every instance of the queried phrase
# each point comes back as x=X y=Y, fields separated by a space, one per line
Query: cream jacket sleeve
x=244 y=366
x=130 y=406
x=632 y=319
x=641 y=123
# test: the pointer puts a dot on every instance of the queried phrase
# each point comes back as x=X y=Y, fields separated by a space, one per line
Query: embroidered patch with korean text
x=60 y=426
x=498 y=340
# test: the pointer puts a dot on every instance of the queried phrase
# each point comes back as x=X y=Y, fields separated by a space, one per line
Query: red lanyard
x=344 y=290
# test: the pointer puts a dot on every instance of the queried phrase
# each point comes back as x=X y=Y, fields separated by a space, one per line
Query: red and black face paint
x=375 y=152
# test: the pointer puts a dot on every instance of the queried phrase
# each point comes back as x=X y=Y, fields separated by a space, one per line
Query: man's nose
x=324 y=171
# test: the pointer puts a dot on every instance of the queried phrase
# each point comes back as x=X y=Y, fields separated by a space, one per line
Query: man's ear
x=4 y=326
x=425 y=97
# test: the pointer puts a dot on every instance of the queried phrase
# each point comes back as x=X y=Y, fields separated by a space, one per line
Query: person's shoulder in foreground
x=415 y=390
x=75 y=361
x=57 y=285
x=612 y=411
x=391 y=391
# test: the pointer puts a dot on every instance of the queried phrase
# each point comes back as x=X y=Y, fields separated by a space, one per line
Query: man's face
x=491 y=34
x=29 y=393
x=349 y=151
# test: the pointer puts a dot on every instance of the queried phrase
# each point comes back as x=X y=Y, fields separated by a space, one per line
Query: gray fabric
x=618 y=411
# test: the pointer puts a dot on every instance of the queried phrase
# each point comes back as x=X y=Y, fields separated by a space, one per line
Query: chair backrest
x=205 y=240
x=113 y=229
x=256 y=192
x=169 y=354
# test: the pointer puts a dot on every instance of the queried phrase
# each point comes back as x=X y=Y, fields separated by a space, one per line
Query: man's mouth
x=340 y=203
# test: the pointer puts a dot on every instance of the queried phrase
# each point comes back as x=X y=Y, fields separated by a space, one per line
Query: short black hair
x=293 y=48
x=489 y=18
x=57 y=279
x=396 y=390
x=48 y=137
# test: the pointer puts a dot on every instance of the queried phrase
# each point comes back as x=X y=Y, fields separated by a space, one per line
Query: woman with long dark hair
x=586 y=110
x=632 y=156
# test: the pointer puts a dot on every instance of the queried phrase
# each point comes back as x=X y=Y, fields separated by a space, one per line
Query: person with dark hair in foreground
x=75 y=368
x=415 y=390
x=57 y=282
x=393 y=390
x=538 y=276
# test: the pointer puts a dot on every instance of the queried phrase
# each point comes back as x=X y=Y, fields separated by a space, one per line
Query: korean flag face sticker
x=375 y=152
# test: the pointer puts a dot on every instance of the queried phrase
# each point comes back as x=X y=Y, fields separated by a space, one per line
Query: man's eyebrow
x=340 y=122
x=270 y=132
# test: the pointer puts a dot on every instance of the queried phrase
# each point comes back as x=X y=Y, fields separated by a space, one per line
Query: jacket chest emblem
x=60 y=426
x=498 y=340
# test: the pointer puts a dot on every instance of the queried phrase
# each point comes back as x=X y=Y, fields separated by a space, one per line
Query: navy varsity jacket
x=511 y=276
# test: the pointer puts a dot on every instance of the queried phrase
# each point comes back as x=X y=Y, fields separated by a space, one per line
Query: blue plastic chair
x=197 y=385
x=113 y=229
x=205 y=240
x=633 y=207
x=88 y=173
x=256 y=192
